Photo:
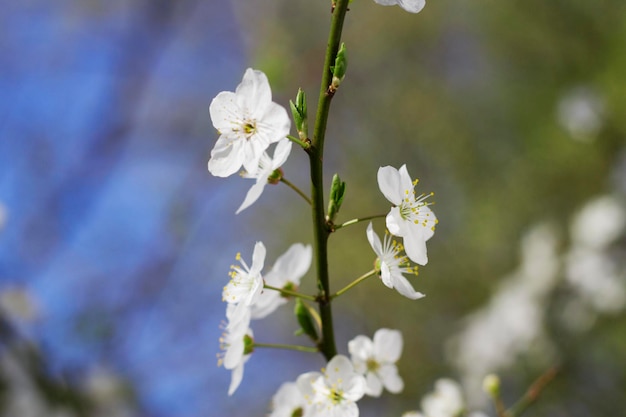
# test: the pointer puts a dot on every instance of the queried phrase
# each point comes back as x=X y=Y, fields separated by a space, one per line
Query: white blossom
x=262 y=175
x=413 y=6
x=393 y=264
x=335 y=391
x=445 y=401
x=410 y=218
x=285 y=274
x=248 y=122
x=376 y=360
x=233 y=344
x=288 y=402
x=246 y=283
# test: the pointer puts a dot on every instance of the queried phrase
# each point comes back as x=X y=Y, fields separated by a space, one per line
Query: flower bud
x=491 y=385
x=339 y=69
x=299 y=112
x=305 y=320
x=337 y=191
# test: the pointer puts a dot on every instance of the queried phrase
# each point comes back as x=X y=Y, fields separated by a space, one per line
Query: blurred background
x=115 y=242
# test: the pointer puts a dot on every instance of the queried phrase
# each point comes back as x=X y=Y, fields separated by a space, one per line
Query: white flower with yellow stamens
x=410 y=218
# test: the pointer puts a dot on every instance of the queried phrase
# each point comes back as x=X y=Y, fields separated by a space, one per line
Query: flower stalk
x=316 y=152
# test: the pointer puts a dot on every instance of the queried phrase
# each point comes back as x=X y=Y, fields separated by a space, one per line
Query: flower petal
x=389 y=184
x=415 y=244
x=276 y=123
x=395 y=223
x=361 y=348
x=254 y=92
x=292 y=265
x=404 y=287
x=412 y=6
x=258 y=258
x=391 y=379
x=388 y=345
x=281 y=153
x=305 y=384
x=386 y=276
x=374 y=240
x=223 y=111
x=226 y=157
x=253 y=194
x=237 y=376
x=338 y=370
x=374 y=386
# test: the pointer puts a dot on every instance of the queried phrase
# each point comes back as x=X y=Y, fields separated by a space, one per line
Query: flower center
x=372 y=365
x=335 y=395
x=298 y=412
x=249 y=128
x=411 y=206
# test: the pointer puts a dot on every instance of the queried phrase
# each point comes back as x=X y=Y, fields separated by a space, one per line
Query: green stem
x=291 y=293
x=303 y=144
x=296 y=189
x=355 y=282
x=288 y=347
x=355 y=221
x=316 y=156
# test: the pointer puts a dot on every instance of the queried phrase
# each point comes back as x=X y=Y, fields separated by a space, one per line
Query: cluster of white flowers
x=249 y=122
x=247 y=300
x=512 y=322
x=335 y=391
x=596 y=275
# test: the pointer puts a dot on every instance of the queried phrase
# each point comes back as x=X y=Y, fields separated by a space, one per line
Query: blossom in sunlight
x=235 y=344
x=335 y=391
x=285 y=274
x=248 y=122
x=288 y=402
x=413 y=6
x=410 y=218
x=264 y=173
x=376 y=360
x=393 y=264
x=246 y=283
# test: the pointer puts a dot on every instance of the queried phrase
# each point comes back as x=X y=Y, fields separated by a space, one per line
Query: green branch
x=316 y=157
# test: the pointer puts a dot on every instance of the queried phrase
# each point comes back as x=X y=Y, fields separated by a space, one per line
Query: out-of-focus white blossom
x=580 y=111
x=512 y=322
x=376 y=360
x=445 y=401
x=599 y=223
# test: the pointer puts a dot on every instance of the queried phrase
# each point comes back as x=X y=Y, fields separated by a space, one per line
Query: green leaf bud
x=337 y=191
x=299 y=112
x=339 y=69
x=305 y=320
